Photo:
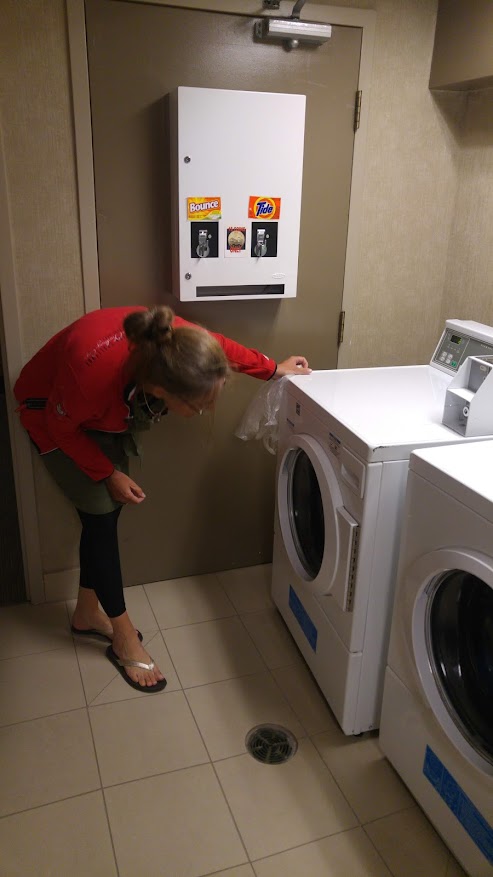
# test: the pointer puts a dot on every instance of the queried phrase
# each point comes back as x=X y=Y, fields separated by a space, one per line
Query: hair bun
x=154 y=325
x=160 y=324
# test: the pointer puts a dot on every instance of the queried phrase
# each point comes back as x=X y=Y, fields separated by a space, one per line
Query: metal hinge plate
x=357 y=110
x=340 y=330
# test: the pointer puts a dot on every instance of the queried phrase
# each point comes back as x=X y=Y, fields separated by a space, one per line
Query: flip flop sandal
x=96 y=634
x=121 y=663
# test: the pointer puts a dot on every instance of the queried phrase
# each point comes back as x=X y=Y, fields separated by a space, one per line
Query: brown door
x=210 y=497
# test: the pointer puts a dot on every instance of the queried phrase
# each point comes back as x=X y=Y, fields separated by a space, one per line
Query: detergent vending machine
x=236 y=178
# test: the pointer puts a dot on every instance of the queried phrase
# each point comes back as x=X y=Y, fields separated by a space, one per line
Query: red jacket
x=79 y=377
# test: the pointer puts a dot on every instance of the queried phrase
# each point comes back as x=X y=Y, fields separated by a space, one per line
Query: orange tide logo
x=263 y=207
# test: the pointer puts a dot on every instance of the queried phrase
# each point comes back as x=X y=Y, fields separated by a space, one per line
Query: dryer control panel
x=459 y=340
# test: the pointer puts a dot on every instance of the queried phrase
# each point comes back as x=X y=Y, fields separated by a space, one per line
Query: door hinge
x=357 y=110
x=340 y=330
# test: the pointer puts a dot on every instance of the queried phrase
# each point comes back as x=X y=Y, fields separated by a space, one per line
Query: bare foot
x=129 y=647
x=93 y=619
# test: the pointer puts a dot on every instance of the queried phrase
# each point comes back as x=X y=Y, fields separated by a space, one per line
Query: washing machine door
x=319 y=535
x=453 y=647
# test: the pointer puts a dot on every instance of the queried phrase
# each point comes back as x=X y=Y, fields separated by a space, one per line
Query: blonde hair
x=186 y=361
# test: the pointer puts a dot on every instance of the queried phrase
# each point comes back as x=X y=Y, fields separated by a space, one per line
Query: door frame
x=11 y=349
x=336 y=15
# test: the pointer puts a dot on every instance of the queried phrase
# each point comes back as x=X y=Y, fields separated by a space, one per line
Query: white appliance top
x=464 y=471
x=379 y=413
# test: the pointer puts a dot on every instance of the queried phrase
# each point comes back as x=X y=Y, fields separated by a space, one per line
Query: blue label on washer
x=303 y=618
x=478 y=829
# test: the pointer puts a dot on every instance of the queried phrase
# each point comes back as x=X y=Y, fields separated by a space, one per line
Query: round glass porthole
x=459 y=635
x=306 y=513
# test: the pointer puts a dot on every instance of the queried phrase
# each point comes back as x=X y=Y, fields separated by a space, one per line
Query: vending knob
x=261 y=245
x=203 y=246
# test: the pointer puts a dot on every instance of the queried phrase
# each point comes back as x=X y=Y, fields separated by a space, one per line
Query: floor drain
x=271 y=744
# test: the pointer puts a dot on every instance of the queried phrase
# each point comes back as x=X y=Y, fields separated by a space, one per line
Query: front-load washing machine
x=344 y=443
x=437 y=717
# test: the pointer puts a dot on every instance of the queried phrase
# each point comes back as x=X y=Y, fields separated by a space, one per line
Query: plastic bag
x=261 y=418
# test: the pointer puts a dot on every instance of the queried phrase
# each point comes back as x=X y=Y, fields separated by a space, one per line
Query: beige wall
x=428 y=204
x=410 y=192
x=36 y=117
x=468 y=290
x=426 y=251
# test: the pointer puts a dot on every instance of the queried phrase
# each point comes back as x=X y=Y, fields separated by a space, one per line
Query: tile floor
x=99 y=780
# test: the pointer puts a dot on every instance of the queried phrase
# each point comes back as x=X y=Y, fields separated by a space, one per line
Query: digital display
x=455 y=339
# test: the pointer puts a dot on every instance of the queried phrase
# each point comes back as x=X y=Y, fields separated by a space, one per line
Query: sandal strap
x=126 y=662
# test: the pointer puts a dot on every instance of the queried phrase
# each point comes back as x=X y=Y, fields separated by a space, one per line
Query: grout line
x=412 y=806
x=197 y=726
x=221 y=617
x=40 y=652
x=49 y=803
x=74 y=709
x=105 y=804
x=231 y=868
x=96 y=758
x=148 y=602
x=250 y=637
x=228 y=805
x=291 y=663
x=379 y=854
x=212 y=681
x=197 y=623
x=262 y=672
x=217 y=583
x=153 y=776
x=337 y=784
x=257 y=672
x=305 y=844
x=175 y=669
x=287 y=701
x=81 y=680
x=102 y=790
x=97 y=764
x=67 y=612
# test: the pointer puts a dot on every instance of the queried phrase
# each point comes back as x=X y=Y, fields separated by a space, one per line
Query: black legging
x=100 y=560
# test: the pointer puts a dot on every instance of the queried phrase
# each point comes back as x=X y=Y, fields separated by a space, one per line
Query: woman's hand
x=121 y=488
x=294 y=365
